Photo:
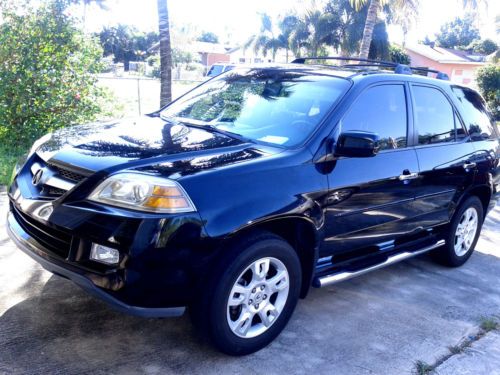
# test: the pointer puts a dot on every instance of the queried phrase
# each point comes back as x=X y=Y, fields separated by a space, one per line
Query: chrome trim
x=409 y=176
x=338 y=277
x=59 y=183
x=51 y=180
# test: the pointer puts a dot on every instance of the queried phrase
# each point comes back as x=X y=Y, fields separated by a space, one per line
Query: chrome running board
x=341 y=276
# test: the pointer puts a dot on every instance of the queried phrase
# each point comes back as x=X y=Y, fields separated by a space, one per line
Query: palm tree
x=404 y=11
x=165 y=54
x=315 y=31
x=286 y=26
x=266 y=40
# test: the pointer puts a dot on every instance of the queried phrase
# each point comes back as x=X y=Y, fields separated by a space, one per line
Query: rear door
x=370 y=199
x=445 y=155
x=483 y=135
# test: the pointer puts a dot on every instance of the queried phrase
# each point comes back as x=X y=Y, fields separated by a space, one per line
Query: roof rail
x=398 y=68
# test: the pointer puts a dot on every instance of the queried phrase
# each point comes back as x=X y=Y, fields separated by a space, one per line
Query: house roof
x=204 y=47
x=446 y=55
x=200 y=47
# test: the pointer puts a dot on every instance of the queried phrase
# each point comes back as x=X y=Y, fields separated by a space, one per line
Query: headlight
x=143 y=192
x=38 y=143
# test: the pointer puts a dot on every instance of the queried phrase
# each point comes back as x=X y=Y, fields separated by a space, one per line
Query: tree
x=371 y=19
x=208 y=37
x=488 y=81
x=407 y=7
x=266 y=40
x=48 y=72
x=180 y=58
x=126 y=44
x=352 y=24
x=314 y=31
x=118 y=41
x=398 y=55
x=286 y=25
x=379 y=46
x=483 y=47
x=165 y=54
x=458 y=33
x=427 y=41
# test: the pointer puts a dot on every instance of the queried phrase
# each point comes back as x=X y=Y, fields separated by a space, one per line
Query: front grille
x=64 y=178
x=66 y=173
x=54 y=240
x=55 y=191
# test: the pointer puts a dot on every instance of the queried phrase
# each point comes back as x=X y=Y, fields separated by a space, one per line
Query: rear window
x=267 y=105
x=476 y=117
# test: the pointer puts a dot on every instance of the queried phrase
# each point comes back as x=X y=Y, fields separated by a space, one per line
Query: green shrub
x=488 y=80
x=398 y=55
x=47 y=72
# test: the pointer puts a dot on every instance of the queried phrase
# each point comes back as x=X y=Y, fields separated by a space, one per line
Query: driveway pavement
x=381 y=323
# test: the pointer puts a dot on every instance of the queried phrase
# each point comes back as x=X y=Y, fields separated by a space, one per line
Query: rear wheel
x=251 y=296
x=464 y=232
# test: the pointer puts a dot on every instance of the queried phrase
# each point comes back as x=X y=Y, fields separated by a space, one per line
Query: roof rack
x=398 y=68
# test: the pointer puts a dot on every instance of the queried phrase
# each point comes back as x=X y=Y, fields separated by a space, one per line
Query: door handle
x=469 y=165
x=408 y=176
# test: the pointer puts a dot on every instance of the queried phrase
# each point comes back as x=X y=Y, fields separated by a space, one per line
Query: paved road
x=381 y=323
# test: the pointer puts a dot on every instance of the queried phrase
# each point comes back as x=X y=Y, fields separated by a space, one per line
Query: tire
x=464 y=231
x=266 y=297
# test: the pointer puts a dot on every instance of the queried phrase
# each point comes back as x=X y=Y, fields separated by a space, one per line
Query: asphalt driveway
x=380 y=323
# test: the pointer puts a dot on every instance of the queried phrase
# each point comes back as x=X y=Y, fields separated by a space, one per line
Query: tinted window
x=434 y=116
x=268 y=105
x=215 y=70
x=381 y=110
x=474 y=113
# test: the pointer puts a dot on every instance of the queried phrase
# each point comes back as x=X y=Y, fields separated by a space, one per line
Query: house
x=461 y=66
x=210 y=53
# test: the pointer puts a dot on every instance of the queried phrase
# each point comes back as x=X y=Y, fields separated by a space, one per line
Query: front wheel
x=464 y=231
x=251 y=296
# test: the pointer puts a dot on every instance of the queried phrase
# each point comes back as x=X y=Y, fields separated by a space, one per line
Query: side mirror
x=357 y=144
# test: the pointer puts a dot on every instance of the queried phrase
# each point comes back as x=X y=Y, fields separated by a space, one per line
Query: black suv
x=237 y=197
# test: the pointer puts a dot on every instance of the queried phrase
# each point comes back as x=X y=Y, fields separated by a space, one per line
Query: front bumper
x=36 y=251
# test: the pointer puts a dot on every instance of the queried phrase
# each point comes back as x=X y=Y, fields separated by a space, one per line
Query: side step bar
x=341 y=276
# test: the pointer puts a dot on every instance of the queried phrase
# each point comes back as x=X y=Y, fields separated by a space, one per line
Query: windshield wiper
x=210 y=128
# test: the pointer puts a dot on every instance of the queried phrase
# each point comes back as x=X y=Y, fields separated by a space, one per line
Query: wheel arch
x=300 y=233
x=483 y=192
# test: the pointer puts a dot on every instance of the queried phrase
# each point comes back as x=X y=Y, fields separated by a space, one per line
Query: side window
x=474 y=113
x=434 y=116
x=381 y=110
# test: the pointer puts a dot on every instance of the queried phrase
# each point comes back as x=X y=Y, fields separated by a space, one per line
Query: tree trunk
x=165 y=54
x=371 y=19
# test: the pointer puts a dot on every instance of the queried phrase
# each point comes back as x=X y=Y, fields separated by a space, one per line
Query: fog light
x=104 y=254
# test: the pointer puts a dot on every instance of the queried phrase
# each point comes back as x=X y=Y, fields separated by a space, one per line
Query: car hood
x=139 y=142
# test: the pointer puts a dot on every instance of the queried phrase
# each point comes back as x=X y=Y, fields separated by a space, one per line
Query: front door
x=370 y=199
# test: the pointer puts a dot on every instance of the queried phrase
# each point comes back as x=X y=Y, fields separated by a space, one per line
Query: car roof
x=353 y=72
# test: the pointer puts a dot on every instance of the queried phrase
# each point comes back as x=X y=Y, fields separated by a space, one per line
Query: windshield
x=272 y=105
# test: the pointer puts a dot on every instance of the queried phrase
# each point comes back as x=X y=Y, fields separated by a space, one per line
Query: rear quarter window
x=474 y=113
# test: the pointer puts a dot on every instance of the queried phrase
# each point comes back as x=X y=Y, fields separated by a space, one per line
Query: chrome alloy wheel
x=258 y=297
x=466 y=231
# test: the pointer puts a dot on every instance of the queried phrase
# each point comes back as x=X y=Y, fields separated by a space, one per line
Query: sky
x=236 y=20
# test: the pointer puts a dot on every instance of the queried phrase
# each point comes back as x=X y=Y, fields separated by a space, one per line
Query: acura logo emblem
x=37 y=177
